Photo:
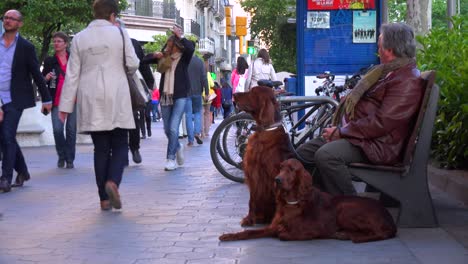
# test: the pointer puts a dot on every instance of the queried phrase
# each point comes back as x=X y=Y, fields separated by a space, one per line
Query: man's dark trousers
x=12 y=156
x=134 y=134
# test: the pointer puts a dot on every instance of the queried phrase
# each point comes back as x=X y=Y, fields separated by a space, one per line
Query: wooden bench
x=407 y=183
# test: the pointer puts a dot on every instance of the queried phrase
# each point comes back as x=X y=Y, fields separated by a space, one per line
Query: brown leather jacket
x=385 y=115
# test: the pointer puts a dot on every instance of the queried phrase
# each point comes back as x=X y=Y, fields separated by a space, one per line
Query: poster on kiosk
x=337 y=37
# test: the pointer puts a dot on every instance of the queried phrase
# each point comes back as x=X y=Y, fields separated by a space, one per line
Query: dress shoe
x=113 y=193
x=143 y=137
x=149 y=133
x=4 y=185
x=61 y=163
x=105 y=205
x=198 y=139
x=136 y=156
x=21 y=178
x=70 y=165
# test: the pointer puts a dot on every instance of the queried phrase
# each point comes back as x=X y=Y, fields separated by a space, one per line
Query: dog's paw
x=227 y=237
x=247 y=221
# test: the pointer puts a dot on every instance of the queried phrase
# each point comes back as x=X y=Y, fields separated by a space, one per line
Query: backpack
x=240 y=88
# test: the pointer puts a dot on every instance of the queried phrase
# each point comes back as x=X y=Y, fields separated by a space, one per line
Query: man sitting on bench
x=372 y=123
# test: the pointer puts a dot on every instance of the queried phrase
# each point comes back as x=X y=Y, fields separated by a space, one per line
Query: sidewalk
x=176 y=217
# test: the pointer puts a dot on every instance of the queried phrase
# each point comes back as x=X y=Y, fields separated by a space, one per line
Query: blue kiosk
x=339 y=36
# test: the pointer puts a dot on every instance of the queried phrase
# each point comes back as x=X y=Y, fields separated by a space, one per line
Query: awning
x=143 y=35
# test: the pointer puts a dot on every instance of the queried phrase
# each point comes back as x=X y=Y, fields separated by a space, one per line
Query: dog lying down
x=304 y=212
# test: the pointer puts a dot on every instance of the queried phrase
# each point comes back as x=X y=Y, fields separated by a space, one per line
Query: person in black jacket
x=139 y=116
x=54 y=71
x=174 y=88
x=19 y=64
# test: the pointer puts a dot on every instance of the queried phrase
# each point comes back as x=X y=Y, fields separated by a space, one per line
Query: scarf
x=346 y=107
x=169 y=77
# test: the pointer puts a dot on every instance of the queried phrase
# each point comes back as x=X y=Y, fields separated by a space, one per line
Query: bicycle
x=230 y=139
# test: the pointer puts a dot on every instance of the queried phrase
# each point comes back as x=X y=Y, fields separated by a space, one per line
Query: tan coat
x=96 y=78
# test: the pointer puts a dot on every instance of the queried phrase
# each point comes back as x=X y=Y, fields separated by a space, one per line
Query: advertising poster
x=318 y=19
x=364 y=26
x=340 y=4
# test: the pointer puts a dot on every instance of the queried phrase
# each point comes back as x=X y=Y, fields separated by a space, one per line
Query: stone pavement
x=176 y=217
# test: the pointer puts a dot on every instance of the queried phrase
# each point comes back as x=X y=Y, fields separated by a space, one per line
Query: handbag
x=138 y=101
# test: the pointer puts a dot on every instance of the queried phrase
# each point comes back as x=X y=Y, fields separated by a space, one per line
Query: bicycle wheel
x=228 y=145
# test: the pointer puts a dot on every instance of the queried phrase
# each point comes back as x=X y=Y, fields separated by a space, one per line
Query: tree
x=419 y=15
x=44 y=17
x=269 y=24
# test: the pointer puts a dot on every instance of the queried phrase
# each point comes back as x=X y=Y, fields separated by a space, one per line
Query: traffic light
x=250 y=47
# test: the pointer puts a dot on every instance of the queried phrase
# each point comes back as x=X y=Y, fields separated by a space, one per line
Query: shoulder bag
x=138 y=101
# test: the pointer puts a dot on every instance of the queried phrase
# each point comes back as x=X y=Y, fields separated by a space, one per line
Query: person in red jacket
x=216 y=104
x=373 y=122
x=155 y=103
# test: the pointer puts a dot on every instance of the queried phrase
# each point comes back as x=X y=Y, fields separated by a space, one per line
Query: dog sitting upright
x=303 y=212
x=266 y=149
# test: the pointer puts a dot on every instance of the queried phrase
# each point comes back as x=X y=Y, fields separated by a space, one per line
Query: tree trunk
x=418 y=15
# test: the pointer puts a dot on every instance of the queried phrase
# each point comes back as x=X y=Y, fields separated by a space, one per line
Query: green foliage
x=44 y=17
x=446 y=51
x=397 y=10
x=270 y=26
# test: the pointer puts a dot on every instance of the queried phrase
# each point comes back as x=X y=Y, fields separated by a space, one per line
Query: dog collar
x=274 y=126
x=293 y=203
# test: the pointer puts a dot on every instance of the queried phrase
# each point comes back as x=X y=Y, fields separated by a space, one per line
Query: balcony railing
x=191 y=27
x=204 y=3
x=206 y=46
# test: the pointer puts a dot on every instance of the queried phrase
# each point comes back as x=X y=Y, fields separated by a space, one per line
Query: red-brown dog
x=303 y=212
x=266 y=149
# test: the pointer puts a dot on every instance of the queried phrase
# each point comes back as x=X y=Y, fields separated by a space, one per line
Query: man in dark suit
x=18 y=62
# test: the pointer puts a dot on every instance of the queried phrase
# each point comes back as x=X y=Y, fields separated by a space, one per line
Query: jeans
x=155 y=110
x=172 y=115
x=12 y=156
x=193 y=116
x=110 y=157
x=64 y=143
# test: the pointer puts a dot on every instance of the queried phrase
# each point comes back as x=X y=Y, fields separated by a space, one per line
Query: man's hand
x=47 y=107
x=63 y=116
x=331 y=134
x=1 y=115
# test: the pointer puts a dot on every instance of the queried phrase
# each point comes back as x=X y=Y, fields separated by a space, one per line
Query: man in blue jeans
x=17 y=56
x=198 y=83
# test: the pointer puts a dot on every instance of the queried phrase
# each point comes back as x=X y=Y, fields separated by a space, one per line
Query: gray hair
x=120 y=22
x=399 y=37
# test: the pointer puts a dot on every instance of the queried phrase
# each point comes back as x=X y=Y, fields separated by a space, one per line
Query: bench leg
x=417 y=210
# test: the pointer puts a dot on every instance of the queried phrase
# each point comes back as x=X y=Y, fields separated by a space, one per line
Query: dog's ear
x=267 y=112
x=303 y=176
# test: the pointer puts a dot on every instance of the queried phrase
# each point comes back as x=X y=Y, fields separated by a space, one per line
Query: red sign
x=340 y=4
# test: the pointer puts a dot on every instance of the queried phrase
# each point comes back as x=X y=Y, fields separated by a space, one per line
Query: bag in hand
x=138 y=101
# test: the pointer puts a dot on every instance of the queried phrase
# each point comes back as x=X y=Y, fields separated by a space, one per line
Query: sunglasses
x=3 y=18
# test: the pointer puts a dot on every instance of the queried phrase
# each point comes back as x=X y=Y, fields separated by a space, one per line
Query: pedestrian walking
x=55 y=68
x=207 y=115
x=96 y=77
x=174 y=89
x=18 y=63
x=155 y=103
x=193 y=109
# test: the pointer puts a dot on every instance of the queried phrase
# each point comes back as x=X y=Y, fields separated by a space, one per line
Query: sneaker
x=190 y=144
x=136 y=156
x=70 y=165
x=198 y=139
x=170 y=165
x=180 y=155
x=60 y=163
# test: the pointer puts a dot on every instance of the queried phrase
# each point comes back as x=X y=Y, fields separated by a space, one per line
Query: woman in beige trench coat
x=97 y=82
